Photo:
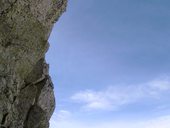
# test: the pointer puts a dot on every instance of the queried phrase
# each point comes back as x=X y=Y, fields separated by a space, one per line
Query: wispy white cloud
x=59 y=116
x=116 y=96
x=63 y=114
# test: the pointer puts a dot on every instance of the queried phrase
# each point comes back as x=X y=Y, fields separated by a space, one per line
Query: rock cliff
x=26 y=90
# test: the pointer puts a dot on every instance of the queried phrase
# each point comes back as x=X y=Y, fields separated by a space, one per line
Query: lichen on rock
x=26 y=90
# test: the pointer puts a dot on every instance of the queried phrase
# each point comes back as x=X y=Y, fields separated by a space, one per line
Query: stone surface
x=26 y=91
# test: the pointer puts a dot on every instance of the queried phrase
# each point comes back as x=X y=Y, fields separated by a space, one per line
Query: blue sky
x=109 y=62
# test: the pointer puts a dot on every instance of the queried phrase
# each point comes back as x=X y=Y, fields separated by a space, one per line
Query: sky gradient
x=109 y=62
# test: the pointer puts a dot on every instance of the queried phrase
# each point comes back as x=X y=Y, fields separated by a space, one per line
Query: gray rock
x=26 y=91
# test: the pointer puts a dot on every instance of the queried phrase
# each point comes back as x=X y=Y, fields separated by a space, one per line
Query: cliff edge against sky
x=26 y=90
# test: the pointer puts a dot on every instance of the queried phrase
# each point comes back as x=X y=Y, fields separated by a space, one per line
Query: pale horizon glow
x=157 y=122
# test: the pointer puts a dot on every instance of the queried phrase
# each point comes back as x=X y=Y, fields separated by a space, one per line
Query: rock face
x=26 y=90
